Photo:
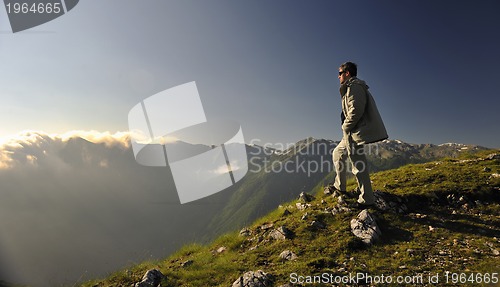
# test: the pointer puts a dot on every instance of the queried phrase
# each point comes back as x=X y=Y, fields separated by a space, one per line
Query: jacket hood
x=357 y=81
x=350 y=82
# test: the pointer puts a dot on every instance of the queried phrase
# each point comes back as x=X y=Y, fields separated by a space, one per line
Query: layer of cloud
x=27 y=147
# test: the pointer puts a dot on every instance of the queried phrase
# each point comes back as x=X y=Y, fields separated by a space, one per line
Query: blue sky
x=432 y=66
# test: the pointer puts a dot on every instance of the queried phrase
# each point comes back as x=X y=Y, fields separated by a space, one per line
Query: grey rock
x=340 y=209
x=254 y=279
x=281 y=233
x=389 y=202
x=493 y=156
x=152 y=278
x=380 y=202
x=328 y=190
x=305 y=197
x=187 y=263
x=245 y=232
x=302 y=206
x=340 y=199
x=221 y=249
x=288 y=255
x=304 y=216
x=318 y=225
x=266 y=226
x=365 y=227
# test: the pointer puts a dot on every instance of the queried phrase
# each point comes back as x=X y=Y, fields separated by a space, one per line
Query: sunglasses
x=341 y=72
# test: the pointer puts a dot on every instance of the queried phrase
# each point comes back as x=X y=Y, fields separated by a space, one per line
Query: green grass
x=462 y=238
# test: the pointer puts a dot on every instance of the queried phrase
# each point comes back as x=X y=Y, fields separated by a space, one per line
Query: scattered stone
x=302 y=206
x=286 y=212
x=402 y=267
x=187 y=263
x=245 y=232
x=318 y=225
x=389 y=202
x=266 y=226
x=431 y=229
x=493 y=156
x=495 y=175
x=281 y=233
x=305 y=197
x=462 y=199
x=328 y=190
x=152 y=278
x=340 y=209
x=254 y=279
x=221 y=249
x=495 y=252
x=487 y=169
x=305 y=216
x=334 y=211
x=365 y=227
x=340 y=199
x=288 y=255
x=380 y=202
x=410 y=251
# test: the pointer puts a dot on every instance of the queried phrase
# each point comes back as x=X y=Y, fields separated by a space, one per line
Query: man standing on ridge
x=361 y=124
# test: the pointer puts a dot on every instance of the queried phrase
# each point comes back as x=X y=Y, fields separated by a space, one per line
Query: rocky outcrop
x=152 y=278
x=305 y=197
x=389 y=202
x=282 y=233
x=365 y=227
x=288 y=255
x=245 y=232
x=254 y=279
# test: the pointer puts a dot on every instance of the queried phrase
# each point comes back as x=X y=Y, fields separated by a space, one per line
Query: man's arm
x=356 y=102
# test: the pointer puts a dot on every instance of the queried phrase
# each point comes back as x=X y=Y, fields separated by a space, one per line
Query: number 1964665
x=40 y=8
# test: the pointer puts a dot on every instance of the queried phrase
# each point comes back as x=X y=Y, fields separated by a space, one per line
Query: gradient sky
x=270 y=65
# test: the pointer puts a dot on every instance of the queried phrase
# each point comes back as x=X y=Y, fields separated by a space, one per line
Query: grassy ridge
x=453 y=224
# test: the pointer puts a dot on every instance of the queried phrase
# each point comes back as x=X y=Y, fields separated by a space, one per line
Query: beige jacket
x=362 y=119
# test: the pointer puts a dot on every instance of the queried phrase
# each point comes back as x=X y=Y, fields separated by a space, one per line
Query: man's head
x=347 y=71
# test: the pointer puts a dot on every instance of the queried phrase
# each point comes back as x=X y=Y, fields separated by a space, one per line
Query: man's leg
x=360 y=171
x=339 y=161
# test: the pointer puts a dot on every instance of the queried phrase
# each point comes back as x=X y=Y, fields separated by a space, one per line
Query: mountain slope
x=444 y=217
x=275 y=176
x=82 y=200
